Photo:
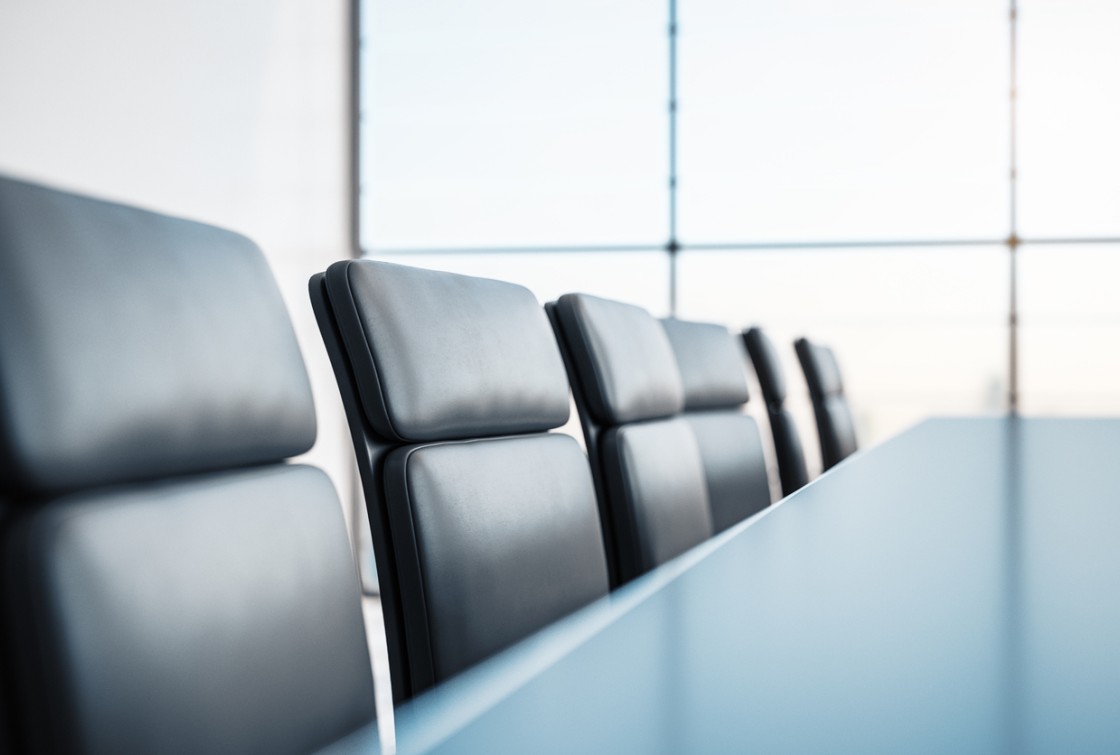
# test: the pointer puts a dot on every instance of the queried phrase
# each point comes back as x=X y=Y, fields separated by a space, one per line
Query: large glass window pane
x=917 y=332
x=870 y=119
x=514 y=122
x=1069 y=116
x=1070 y=328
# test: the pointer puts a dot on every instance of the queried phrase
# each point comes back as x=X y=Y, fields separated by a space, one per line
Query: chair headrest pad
x=135 y=345
x=623 y=358
x=711 y=362
x=439 y=356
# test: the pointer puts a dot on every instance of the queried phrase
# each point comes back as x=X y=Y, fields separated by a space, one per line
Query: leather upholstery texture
x=654 y=468
x=787 y=439
x=713 y=367
x=711 y=362
x=491 y=337
x=218 y=614
x=508 y=539
x=653 y=497
x=822 y=373
x=734 y=465
x=624 y=360
x=117 y=356
x=830 y=406
x=485 y=526
x=169 y=584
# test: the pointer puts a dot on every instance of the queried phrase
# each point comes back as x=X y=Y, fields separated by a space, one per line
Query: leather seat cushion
x=214 y=614
x=505 y=539
x=658 y=479
x=734 y=465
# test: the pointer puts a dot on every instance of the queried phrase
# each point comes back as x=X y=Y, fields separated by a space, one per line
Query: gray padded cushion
x=711 y=362
x=656 y=471
x=734 y=465
x=439 y=356
x=822 y=373
x=623 y=358
x=214 y=615
x=135 y=345
x=508 y=537
x=767 y=366
x=834 y=419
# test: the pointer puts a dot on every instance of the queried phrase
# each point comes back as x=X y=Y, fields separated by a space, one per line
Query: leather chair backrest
x=835 y=427
x=649 y=473
x=169 y=583
x=787 y=440
x=484 y=524
x=713 y=371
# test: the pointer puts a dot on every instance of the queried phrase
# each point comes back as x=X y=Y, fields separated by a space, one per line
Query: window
x=859 y=173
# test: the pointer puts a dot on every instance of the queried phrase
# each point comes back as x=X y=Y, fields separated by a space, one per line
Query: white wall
x=233 y=113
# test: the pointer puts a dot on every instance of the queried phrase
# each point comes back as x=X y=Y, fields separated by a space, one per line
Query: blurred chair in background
x=713 y=370
x=170 y=584
x=787 y=441
x=830 y=407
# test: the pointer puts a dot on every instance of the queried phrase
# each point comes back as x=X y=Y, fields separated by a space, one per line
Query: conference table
x=954 y=589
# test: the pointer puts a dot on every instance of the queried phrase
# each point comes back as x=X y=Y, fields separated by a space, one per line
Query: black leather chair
x=713 y=371
x=169 y=583
x=787 y=441
x=649 y=474
x=484 y=524
x=835 y=427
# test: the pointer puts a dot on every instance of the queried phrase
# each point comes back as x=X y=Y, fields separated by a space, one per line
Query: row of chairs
x=486 y=525
x=835 y=427
x=172 y=583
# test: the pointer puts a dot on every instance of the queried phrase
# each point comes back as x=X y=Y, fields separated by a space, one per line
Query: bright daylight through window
x=841 y=171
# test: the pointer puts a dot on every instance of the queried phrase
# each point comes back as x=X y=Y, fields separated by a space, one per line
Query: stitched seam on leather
x=626 y=510
x=584 y=342
x=367 y=350
x=627 y=465
x=370 y=450
x=406 y=490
